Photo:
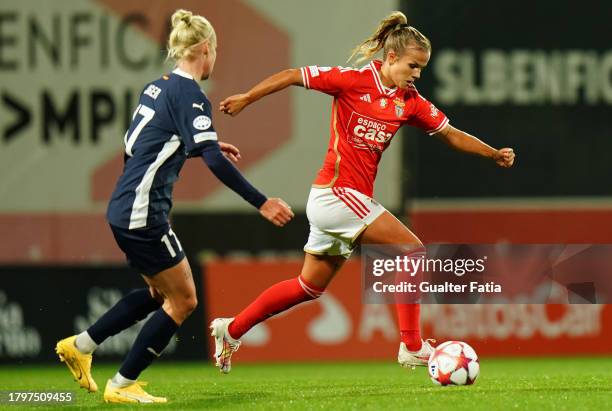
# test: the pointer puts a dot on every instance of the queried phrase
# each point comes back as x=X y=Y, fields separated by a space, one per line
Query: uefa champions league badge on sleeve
x=202 y=122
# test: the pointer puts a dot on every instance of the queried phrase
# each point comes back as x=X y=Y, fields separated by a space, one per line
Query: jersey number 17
x=147 y=114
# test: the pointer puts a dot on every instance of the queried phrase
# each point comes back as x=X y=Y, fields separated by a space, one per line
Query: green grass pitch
x=504 y=384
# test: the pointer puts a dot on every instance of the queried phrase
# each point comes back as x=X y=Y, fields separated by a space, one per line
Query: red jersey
x=365 y=117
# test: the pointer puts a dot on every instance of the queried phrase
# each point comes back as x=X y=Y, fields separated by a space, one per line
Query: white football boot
x=225 y=345
x=412 y=359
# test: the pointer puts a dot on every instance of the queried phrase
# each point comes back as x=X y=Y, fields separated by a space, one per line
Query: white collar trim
x=182 y=73
x=381 y=88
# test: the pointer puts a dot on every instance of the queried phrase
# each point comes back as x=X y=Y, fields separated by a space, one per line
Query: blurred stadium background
x=536 y=78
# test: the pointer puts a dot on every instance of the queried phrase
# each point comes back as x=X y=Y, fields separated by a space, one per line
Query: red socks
x=279 y=297
x=409 y=315
x=409 y=318
x=284 y=295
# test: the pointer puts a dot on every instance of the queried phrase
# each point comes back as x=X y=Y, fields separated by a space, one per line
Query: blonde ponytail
x=392 y=33
x=188 y=30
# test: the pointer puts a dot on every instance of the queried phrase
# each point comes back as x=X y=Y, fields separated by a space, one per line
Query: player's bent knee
x=156 y=295
x=190 y=304
x=183 y=307
x=409 y=248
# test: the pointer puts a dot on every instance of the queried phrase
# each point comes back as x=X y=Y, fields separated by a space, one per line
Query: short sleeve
x=192 y=115
x=329 y=80
x=427 y=117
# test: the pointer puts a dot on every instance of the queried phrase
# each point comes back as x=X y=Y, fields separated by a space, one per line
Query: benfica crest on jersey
x=399 y=107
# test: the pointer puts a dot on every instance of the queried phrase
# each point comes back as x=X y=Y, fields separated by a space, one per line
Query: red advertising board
x=339 y=327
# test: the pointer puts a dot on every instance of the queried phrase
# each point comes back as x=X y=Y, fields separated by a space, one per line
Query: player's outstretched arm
x=279 y=81
x=462 y=141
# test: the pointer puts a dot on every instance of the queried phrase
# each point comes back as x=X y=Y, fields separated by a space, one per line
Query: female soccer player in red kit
x=369 y=106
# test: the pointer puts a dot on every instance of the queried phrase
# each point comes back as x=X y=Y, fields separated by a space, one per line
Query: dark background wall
x=557 y=83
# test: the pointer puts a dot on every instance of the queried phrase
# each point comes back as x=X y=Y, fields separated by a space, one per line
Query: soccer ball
x=453 y=363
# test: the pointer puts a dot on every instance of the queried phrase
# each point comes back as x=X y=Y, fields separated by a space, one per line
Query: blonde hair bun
x=181 y=15
x=188 y=29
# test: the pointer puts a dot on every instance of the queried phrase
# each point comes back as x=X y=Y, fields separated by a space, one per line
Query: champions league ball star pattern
x=453 y=363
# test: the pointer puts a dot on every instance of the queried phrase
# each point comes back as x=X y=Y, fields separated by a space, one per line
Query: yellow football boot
x=78 y=363
x=133 y=393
